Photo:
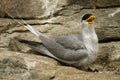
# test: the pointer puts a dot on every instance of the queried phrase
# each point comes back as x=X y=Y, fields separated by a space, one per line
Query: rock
x=66 y=73
x=108 y=27
x=109 y=57
x=107 y=3
x=96 y=3
x=46 y=8
x=111 y=51
x=15 y=65
x=84 y=3
x=15 y=45
x=31 y=8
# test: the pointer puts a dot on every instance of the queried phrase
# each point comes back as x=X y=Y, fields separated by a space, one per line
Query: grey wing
x=68 y=48
x=72 y=42
x=75 y=48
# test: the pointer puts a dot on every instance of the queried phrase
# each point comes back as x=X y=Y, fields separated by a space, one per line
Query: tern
x=73 y=49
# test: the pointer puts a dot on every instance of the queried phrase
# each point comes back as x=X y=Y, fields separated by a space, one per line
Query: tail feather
x=34 y=31
x=30 y=28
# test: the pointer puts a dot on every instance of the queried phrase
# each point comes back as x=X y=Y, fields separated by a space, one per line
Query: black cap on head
x=86 y=16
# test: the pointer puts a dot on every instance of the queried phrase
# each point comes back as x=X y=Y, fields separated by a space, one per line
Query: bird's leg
x=88 y=69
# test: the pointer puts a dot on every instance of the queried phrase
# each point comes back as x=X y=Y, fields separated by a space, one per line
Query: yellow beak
x=90 y=20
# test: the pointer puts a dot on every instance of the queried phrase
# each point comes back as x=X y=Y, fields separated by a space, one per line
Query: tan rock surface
x=107 y=3
x=31 y=8
x=15 y=65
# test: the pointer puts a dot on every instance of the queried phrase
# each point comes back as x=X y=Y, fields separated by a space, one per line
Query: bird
x=73 y=49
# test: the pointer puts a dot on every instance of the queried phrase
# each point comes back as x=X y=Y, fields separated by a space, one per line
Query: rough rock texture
x=30 y=8
x=45 y=8
x=96 y=3
x=111 y=51
x=109 y=56
x=55 y=18
x=19 y=66
x=108 y=3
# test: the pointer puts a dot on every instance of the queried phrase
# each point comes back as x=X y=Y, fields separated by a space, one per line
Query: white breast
x=90 y=40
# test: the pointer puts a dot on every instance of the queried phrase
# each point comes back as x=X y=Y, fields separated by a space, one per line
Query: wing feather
x=72 y=42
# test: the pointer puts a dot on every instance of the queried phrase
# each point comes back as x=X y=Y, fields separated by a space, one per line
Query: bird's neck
x=90 y=38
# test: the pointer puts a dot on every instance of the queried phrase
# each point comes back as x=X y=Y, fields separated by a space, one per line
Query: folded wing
x=66 y=49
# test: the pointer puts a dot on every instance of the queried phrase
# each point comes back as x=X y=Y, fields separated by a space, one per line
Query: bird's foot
x=88 y=69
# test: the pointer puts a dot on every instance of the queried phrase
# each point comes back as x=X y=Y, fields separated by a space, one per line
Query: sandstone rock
x=96 y=3
x=73 y=74
x=111 y=51
x=107 y=3
x=31 y=8
x=45 y=8
x=84 y=3
x=109 y=57
x=14 y=8
x=15 y=65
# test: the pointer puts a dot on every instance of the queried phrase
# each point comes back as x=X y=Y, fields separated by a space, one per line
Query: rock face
x=15 y=65
x=107 y=3
x=56 y=18
x=45 y=8
x=31 y=8
x=20 y=66
x=112 y=50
